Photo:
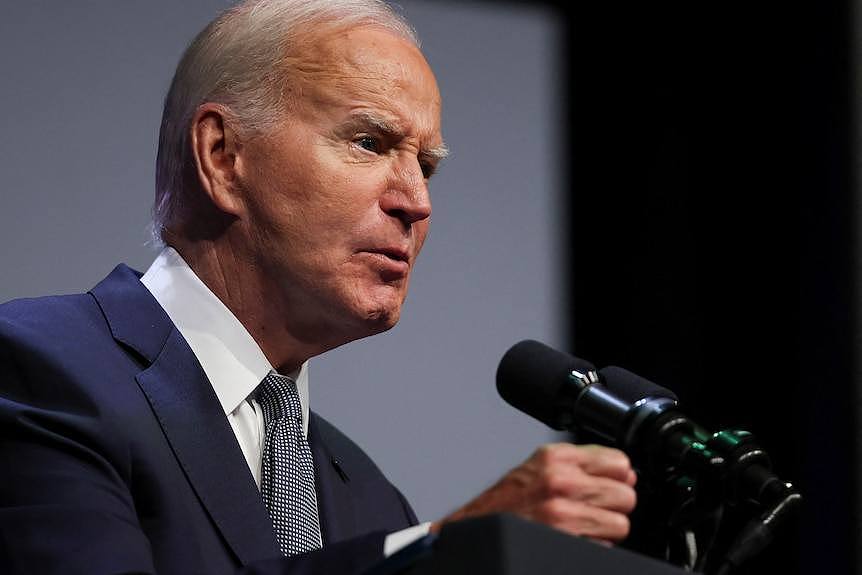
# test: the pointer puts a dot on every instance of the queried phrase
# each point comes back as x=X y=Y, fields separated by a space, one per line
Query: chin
x=380 y=320
x=356 y=324
x=380 y=307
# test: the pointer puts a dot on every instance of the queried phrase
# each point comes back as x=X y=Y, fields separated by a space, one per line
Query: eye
x=370 y=143
x=427 y=169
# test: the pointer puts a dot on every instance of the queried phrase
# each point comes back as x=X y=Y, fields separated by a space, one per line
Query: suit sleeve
x=64 y=507
x=409 y=514
x=353 y=556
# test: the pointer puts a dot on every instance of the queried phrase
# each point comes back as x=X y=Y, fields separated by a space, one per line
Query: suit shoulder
x=57 y=335
x=54 y=353
x=49 y=314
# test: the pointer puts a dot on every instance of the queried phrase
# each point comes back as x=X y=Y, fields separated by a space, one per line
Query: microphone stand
x=709 y=472
x=685 y=499
x=759 y=533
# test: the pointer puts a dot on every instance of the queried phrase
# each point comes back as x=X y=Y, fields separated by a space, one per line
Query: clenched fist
x=584 y=490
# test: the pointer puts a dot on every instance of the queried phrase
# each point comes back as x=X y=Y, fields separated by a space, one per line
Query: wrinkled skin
x=326 y=216
x=330 y=209
x=583 y=490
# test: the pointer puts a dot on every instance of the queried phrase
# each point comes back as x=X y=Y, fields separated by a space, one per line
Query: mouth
x=392 y=262
x=393 y=253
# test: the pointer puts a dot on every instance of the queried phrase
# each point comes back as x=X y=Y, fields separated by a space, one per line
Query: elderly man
x=160 y=423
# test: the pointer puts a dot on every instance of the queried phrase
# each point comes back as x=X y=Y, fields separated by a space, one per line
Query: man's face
x=337 y=196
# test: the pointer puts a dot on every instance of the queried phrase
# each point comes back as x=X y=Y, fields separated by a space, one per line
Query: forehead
x=368 y=69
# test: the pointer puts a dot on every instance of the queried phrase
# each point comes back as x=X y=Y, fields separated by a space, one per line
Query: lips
x=393 y=253
x=391 y=262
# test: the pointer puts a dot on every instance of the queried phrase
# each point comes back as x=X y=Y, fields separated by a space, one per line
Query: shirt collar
x=230 y=357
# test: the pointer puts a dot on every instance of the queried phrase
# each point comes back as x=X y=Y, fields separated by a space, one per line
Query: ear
x=214 y=145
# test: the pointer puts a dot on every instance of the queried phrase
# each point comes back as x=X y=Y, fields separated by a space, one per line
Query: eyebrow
x=377 y=121
x=437 y=153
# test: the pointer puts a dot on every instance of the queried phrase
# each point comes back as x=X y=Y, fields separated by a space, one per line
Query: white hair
x=238 y=61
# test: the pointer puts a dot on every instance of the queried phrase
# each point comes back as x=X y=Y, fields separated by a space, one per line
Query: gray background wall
x=80 y=103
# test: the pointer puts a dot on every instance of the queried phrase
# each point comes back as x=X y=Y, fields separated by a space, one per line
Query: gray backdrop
x=80 y=103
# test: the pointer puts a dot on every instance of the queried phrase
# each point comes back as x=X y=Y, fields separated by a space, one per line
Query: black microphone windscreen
x=631 y=387
x=534 y=378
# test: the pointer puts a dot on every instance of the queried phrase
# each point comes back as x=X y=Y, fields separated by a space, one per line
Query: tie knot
x=279 y=398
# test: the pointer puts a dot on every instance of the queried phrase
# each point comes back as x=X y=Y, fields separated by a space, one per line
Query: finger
x=578 y=518
x=552 y=454
x=606 y=462
x=573 y=483
x=594 y=459
x=608 y=494
x=557 y=452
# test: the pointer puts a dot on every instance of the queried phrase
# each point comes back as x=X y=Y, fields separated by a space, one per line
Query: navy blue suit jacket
x=116 y=456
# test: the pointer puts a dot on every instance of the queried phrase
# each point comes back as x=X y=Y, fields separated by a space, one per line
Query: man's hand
x=584 y=490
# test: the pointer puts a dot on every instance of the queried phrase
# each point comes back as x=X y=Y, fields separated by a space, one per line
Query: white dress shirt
x=232 y=361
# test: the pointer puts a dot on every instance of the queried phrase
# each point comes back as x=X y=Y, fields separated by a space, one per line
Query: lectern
x=508 y=545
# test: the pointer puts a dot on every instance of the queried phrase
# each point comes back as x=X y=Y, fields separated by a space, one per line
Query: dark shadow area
x=711 y=226
x=712 y=230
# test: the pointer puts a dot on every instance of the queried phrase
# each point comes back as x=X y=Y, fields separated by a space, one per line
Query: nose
x=407 y=196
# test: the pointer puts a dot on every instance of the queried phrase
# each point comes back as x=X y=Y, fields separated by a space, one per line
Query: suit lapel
x=190 y=415
x=334 y=497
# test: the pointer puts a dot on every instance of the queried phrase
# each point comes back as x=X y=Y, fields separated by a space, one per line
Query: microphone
x=543 y=382
x=673 y=441
x=637 y=415
x=666 y=436
x=644 y=420
x=630 y=387
x=562 y=391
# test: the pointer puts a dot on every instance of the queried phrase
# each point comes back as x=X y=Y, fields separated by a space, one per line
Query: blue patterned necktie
x=287 y=479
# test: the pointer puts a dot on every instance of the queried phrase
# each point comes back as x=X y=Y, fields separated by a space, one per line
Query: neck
x=224 y=268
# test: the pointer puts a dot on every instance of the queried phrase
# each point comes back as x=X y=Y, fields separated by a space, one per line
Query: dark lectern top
x=508 y=545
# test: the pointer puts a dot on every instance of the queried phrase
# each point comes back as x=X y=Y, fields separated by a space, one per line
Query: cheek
x=288 y=202
x=422 y=228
